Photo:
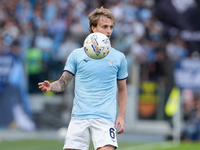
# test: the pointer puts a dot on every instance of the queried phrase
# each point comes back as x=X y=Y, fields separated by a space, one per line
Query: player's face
x=104 y=25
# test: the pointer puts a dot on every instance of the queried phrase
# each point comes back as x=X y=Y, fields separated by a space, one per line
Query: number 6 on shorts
x=112 y=133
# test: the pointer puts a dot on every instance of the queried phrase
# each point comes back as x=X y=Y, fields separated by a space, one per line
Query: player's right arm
x=56 y=86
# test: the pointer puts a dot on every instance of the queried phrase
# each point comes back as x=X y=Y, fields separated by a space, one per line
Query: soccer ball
x=97 y=45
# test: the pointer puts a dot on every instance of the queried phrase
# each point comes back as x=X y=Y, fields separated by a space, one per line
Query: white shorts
x=79 y=132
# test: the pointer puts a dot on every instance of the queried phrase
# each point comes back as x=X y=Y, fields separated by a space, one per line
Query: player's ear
x=93 y=29
x=90 y=30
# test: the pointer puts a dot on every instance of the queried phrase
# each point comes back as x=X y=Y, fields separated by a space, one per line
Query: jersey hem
x=91 y=117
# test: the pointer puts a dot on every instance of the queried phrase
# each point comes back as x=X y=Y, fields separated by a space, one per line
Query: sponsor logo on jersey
x=86 y=60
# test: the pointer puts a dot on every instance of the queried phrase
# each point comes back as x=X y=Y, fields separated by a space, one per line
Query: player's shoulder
x=77 y=51
x=116 y=53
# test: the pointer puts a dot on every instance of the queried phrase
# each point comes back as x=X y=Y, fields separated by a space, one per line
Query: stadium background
x=160 y=39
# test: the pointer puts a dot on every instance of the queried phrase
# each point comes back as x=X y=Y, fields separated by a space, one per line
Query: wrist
x=121 y=116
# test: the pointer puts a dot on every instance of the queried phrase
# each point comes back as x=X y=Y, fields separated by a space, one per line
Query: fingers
x=42 y=88
x=116 y=124
x=120 y=131
x=122 y=126
x=44 y=85
x=40 y=83
x=46 y=82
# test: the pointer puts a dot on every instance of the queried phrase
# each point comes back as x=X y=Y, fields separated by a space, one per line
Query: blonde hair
x=96 y=14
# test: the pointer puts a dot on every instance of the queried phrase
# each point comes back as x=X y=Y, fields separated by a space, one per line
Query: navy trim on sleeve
x=123 y=78
x=69 y=72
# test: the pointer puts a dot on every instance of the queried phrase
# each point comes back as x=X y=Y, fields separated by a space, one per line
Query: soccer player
x=99 y=86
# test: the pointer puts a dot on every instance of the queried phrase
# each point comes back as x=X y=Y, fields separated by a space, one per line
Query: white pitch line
x=150 y=146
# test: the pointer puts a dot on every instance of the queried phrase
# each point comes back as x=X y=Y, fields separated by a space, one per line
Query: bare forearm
x=61 y=84
x=122 y=100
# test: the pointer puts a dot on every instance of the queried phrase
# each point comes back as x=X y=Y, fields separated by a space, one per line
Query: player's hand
x=120 y=121
x=45 y=86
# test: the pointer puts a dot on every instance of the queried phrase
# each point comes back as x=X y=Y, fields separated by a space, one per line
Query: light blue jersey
x=96 y=83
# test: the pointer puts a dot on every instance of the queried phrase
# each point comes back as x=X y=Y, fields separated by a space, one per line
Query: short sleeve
x=123 y=69
x=70 y=64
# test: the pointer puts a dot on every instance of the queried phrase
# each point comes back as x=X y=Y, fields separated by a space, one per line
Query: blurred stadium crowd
x=36 y=37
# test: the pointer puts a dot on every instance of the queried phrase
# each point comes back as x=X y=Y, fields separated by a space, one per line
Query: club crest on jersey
x=110 y=62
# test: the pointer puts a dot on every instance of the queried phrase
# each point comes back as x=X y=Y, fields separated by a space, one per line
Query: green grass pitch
x=57 y=145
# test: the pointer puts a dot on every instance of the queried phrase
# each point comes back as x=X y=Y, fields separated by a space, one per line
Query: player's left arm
x=122 y=100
